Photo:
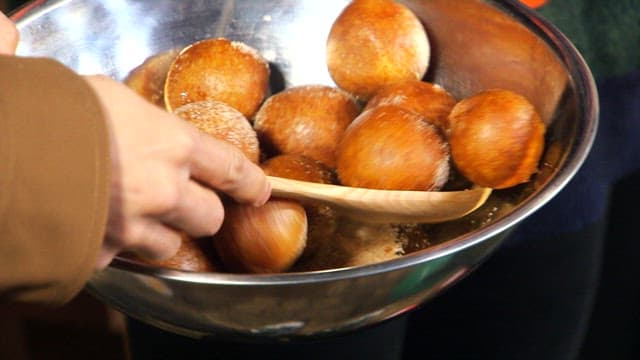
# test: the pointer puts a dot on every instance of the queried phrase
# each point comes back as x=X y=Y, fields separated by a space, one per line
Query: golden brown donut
x=265 y=239
x=374 y=43
x=431 y=101
x=194 y=254
x=222 y=122
x=391 y=148
x=218 y=69
x=496 y=138
x=322 y=219
x=149 y=78
x=298 y=167
x=306 y=120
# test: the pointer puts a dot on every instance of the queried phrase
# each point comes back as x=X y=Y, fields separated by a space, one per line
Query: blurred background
x=82 y=329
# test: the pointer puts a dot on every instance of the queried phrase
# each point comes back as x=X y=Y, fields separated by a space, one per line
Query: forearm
x=54 y=178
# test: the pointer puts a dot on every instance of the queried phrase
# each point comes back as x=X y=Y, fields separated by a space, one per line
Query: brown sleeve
x=54 y=178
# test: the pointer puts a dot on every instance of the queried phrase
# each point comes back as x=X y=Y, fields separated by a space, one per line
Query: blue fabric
x=615 y=153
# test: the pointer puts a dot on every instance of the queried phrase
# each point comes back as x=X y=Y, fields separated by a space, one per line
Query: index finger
x=224 y=167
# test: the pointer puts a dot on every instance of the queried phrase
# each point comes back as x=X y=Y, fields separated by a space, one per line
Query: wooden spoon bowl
x=385 y=206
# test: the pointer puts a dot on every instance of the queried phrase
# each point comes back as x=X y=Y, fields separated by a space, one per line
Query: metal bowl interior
x=475 y=45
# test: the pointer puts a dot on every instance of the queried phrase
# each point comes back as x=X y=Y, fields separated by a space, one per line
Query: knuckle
x=184 y=146
x=165 y=201
x=236 y=168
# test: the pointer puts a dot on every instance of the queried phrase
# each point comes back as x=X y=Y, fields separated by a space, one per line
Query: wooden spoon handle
x=387 y=206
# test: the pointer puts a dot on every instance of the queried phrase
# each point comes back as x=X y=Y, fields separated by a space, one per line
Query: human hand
x=163 y=174
x=8 y=36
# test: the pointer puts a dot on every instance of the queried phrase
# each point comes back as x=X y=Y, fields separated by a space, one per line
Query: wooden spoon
x=384 y=206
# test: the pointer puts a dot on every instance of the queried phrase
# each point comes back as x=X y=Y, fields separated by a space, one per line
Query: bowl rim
x=579 y=74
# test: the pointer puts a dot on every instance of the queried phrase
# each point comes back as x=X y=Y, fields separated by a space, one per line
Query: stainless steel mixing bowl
x=475 y=45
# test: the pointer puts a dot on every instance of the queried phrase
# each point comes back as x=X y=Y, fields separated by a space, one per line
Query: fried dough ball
x=307 y=120
x=431 y=101
x=149 y=78
x=194 y=254
x=391 y=148
x=322 y=219
x=218 y=69
x=298 y=167
x=496 y=138
x=265 y=239
x=222 y=122
x=374 y=43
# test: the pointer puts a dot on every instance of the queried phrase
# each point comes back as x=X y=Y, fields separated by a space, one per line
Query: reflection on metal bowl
x=475 y=45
